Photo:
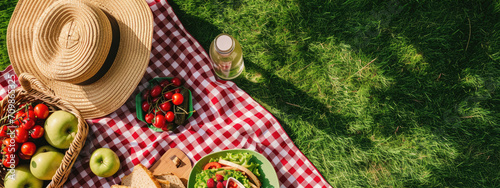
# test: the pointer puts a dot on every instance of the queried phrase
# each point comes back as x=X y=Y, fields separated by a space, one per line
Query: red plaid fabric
x=226 y=117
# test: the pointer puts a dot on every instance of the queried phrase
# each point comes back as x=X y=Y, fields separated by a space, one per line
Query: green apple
x=60 y=129
x=21 y=177
x=45 y=162
x=104 y=162
x=45 y=148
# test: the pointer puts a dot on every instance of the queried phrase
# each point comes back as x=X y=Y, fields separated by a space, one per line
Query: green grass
x=375 y=93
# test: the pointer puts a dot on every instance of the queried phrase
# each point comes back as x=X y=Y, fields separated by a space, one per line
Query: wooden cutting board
x=166 y=164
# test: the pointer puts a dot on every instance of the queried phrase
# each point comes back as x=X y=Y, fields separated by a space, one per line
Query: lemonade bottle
x=227 y=57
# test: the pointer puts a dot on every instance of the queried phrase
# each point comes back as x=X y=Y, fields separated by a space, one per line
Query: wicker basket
x=32 y=91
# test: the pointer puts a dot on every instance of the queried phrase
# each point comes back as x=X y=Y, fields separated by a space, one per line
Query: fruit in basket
x=23 y=156
x=36 y=132
x=8 y=150
x=27 y=124
x=30 y=115
x=21 y=135
x=19 y=117
x=3 y=131
x=41 y=111
x=60 y=129
x=45 y=148
x=23 y=107
x=10 y=160
x=28 y=148
x=10 y=145
x=104 y=162
x=22 y=178
x=45 y=162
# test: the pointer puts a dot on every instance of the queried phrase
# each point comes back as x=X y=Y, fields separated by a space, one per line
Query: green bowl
x=138 y=103
x=268 y=176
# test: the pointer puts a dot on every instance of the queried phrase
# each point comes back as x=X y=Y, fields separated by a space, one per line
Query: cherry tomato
x=22 y=107
x=19 y=117
x=23 y=156
x=21 y=135
x=165 y=106
x=10 y=142
x=145 y=106
x=149 y=118
x=168 y=95
x=176 y=81
x=9 y=150
x=11 y=161
x=3 y=131
x=156 y=91
x=27 y=124
x=159 y=121
x=30 y=115
x=28 y=148
x=37 y=132
x=164 y=83
x=170 y=116
x=19 y=114
x=212 y=165
x=177 y=99
x=41 y=111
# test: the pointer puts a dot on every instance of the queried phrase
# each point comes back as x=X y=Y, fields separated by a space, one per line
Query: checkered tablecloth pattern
x=226 y=117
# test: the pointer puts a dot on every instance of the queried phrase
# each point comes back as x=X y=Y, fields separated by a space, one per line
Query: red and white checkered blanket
x=226 y=117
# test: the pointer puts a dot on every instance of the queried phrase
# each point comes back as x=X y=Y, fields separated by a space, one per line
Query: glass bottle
x=227 y=57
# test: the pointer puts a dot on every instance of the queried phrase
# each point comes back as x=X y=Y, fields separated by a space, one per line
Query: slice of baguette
x=140 y=177
x=164 y=183
x=175 y=182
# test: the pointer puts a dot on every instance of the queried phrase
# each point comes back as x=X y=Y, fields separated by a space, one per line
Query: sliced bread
x=164 y=183
x=175 y=182
x=140 y=177
x=119 y=186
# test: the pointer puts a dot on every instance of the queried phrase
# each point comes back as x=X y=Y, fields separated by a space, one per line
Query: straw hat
x=92 y=53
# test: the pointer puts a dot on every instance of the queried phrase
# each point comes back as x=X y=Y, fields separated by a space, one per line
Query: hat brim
x=112 y=90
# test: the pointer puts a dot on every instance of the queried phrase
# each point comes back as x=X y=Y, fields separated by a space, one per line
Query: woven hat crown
x=71 y=41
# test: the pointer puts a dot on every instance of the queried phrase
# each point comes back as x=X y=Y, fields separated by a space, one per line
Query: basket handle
x=29 y=82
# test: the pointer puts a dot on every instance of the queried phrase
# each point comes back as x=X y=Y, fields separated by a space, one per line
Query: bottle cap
x=224 y=43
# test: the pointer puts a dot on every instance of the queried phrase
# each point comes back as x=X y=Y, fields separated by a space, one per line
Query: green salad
x=211 y=175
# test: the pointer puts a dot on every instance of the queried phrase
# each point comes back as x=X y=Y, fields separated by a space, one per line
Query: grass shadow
x=417 y=109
